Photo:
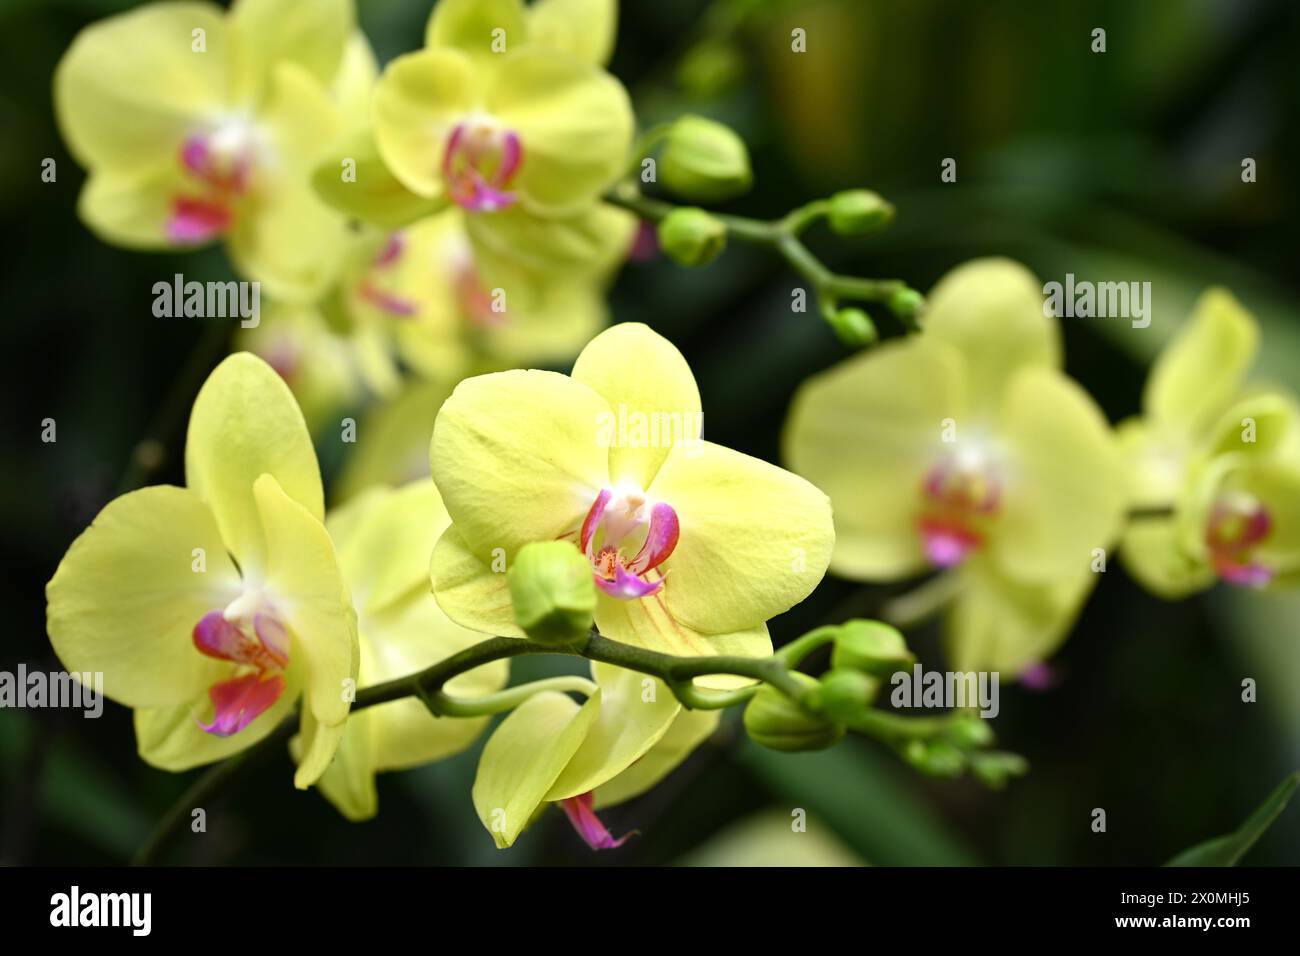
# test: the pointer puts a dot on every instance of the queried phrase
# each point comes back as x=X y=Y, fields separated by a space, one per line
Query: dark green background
x=1120 y=166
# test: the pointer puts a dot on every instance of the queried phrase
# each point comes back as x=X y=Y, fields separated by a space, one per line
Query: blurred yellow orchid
x=197 y=124
x=966 y=447
x=1223 y=458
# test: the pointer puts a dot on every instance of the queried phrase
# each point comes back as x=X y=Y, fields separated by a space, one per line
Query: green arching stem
x=427 y=685
x=781 y=236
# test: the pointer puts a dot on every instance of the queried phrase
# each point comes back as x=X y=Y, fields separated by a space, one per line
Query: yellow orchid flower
x=693 y=546
x=628 y=735
x=196 y=124
x=211 y=609
x=967 y=448
x=507 y=129
x=384 y=539
x=424 y=298
x=1222 y=456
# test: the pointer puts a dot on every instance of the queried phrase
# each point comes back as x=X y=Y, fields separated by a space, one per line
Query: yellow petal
x=1065 y=490
x=354 y=180
x=245 y=423
x=689 y=729
x=635 y=712
x=1152 y=553
x=654 y=402
x=516 y=457
x=419 y=99
x=318 y=743
x=469 y=590
x=483 y=29
x=585 y=29
x=1198 y=373
x=524 y=757
x=591 y=241
x=307 y=589
x=997 y=624
x=131 y=209
x=575 y=122
x=866 y=433
x=266 y=33
x=130 y=88
x=991 y=311
x=755 y=539
x=126 y=597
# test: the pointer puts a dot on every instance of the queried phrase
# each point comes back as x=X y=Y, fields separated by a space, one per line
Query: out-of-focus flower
x=692 y=546
x=628 y=735
x=1222 y=457
x=967 y=448
x=384 y=538
x=212 y=609
x=195 y=125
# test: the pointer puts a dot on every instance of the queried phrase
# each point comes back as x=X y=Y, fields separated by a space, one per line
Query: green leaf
x=1228 y=850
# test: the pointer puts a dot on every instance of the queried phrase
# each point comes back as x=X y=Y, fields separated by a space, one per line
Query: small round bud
x=968 y=730
x=906 y=304
x=846 y=693
x=552 y=592
x=871 y=647
x=853 y=326
x=691 y=237
x=856 y=212
x=994 y=769
x=777 y=722
x=704 y=161
x=938 y=758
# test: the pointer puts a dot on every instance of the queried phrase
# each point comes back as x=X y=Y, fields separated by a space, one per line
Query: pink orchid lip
x=1233 y=532
x=478 y=165
x=198 y=219
x=238 y=701
x=620 y=519
x=584 y=820
x=194 y=221
x=959 y=501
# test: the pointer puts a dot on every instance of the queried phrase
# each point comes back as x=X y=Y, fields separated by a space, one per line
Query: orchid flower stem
x=427 y=685
x=916 y=606
x=442 y=704
x=781 y=236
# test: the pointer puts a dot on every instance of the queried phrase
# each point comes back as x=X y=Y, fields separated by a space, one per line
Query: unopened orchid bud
x=906 y=304
x=853 y=326
x=552 y=592
x=871 y=647
x=704 y=161
x=691 y=237
x=846 y=693
x=777 y=722
x=856 y=212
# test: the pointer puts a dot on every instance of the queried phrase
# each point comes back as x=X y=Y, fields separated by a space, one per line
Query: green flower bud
x=777 y=722
x=938 y=758
x=710 y=68
x=691 y=237
x=857 y=212
x=846 y=693
x=994 y=769
x=552 y=592
x=970 y=731
x=853 y=326
x=704 y=161
x=871 y=647
x=906 y=304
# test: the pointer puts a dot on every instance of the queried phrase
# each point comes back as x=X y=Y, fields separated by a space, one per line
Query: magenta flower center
x=478 y=165
x=625 y=536
x=1237 y=526
x=260 y=654
x=959 y=502
x=589 y=826
x=219 y=170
